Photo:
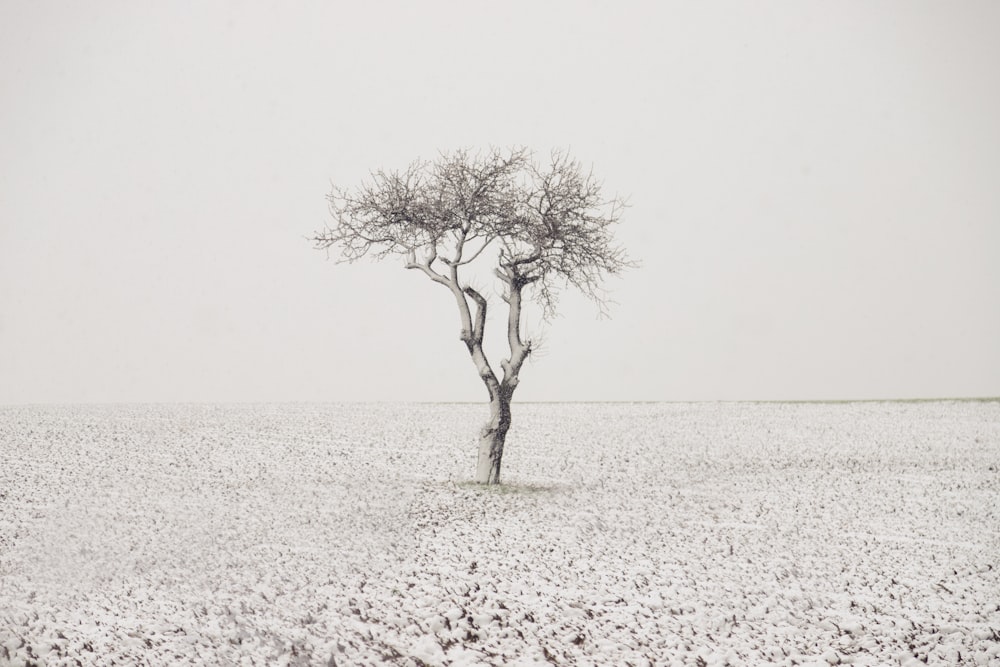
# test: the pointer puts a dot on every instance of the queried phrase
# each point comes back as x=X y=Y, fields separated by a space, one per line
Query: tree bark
x=494 y=434
x=491 y=441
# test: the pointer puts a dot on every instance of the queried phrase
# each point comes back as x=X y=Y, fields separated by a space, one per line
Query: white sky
x=815 y=194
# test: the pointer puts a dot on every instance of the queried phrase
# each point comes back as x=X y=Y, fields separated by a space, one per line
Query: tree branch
x=519 y=351
x=476 y=254
x=412 y=263
x=474 y=342
x=479 y=323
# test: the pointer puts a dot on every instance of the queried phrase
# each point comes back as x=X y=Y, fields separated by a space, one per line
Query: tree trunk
x=491 y=441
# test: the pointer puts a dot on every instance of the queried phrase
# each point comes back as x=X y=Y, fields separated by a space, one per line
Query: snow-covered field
x=688 y=534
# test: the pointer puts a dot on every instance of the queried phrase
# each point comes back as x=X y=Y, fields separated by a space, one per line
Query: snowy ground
x=687 y=534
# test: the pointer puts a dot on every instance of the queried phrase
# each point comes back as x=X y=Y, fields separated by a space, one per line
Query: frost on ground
x=675 y=534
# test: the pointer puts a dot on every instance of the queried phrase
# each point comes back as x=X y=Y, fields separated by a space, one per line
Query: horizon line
x=940 y=399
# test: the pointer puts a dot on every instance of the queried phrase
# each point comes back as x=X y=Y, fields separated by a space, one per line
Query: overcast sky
x=814 y=187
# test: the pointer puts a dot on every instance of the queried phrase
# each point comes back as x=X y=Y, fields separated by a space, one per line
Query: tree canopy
x=548 y=224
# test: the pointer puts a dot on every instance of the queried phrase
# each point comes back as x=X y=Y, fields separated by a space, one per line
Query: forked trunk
x=491 y=441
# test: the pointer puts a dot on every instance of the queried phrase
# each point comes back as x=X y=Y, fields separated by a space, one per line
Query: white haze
x=813 y=187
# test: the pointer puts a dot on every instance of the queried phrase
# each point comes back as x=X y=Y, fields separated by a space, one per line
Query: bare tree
x=540 y=227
